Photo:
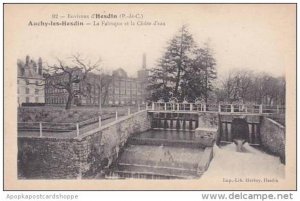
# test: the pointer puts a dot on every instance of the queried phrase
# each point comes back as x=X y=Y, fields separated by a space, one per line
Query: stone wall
x=81 y=157
x=208 y=128
x=208 y=120
x=100 y=149
x=206 y=136
x=40 y=158
x=247 y=118
x=273 y=137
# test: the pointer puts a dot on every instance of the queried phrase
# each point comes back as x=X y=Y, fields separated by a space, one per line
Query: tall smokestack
x=144 y=61
x=27 y=60
x=40 y=66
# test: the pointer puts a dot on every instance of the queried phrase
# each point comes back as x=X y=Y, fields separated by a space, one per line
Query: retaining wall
x=81 y=157
x=40 y=158
x=273 y=137
x=208 y=128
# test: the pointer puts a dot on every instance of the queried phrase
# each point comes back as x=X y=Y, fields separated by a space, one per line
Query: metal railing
x=71 y=129
x=222 y=108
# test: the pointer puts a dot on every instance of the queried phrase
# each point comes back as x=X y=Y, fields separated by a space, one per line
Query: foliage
x=64 y=77
x=252 y=87
x=185 y=71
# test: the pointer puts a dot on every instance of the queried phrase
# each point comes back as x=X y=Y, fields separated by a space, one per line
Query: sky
x=254 y=37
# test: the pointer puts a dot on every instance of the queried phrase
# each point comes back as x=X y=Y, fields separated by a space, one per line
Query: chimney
x=27 y=60
x=40 y=66
x=144 y=61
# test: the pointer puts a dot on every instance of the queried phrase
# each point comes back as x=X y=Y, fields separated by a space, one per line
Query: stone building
x=30 y=81
x=57 y=96
x=125 y=90
x=119 y=89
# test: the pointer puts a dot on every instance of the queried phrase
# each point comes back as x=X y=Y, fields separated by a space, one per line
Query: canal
x=159 y=154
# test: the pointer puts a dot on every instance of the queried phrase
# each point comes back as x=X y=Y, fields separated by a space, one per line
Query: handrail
x=221 y=108
x=78 y=127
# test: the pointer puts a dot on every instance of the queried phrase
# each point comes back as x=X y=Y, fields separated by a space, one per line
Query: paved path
x=227 y=163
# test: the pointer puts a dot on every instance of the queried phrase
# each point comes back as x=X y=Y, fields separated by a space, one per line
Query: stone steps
x=159 y=170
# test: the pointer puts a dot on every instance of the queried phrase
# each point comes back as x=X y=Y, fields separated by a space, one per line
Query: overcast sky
x=255 y=37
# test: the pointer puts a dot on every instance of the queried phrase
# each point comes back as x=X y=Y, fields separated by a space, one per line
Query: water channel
x=159 y=154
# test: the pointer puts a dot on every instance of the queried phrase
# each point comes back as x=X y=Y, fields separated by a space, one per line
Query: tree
x=165 y=79
x=272 y=90
x=102 y=83
x=208 y=65
x=200 y=74
x=159 y=85
x=239 y=86
x=106 y=80
x=184 y=71
x=67 y=78
x=259 y=88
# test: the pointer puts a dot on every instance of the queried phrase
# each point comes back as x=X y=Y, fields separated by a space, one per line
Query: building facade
x=116 y=89
x=30 y=81
x=125 y=90
x=58 y=96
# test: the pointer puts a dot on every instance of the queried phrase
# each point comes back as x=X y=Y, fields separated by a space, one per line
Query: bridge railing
x=224 y=108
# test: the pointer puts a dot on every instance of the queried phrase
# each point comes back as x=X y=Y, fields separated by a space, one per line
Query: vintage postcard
x=150 y=96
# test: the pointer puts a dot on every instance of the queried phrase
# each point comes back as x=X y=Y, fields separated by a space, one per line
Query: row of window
x=28 y=91
x=56 y=100
x=124 y=91
x=27 y=99
x=63 y=100
x=54 y=90
x=116 y=91
x=27 y=82
x=122 y=102
x=120 y=85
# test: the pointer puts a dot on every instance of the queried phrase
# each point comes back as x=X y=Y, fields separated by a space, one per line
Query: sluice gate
x=240 y=127
x=174 y=120
x=179 y=144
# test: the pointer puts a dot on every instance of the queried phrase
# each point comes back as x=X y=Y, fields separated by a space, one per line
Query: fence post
x=177 y=106
x=99 y=121
x=116 y=115
x=204 y=108
x=41 y=130
x=129 y=110
x=191 y=106
x=165 y=106
x=139 y=107
x=219 y=107
x=232 y=108
x=77 y=129
x=278 y=109
x=260 y=109
x=152 y=105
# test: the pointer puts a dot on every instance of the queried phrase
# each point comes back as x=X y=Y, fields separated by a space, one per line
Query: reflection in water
x=168 y=134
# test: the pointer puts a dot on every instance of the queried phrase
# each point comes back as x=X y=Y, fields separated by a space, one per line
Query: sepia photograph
x=150 y=96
